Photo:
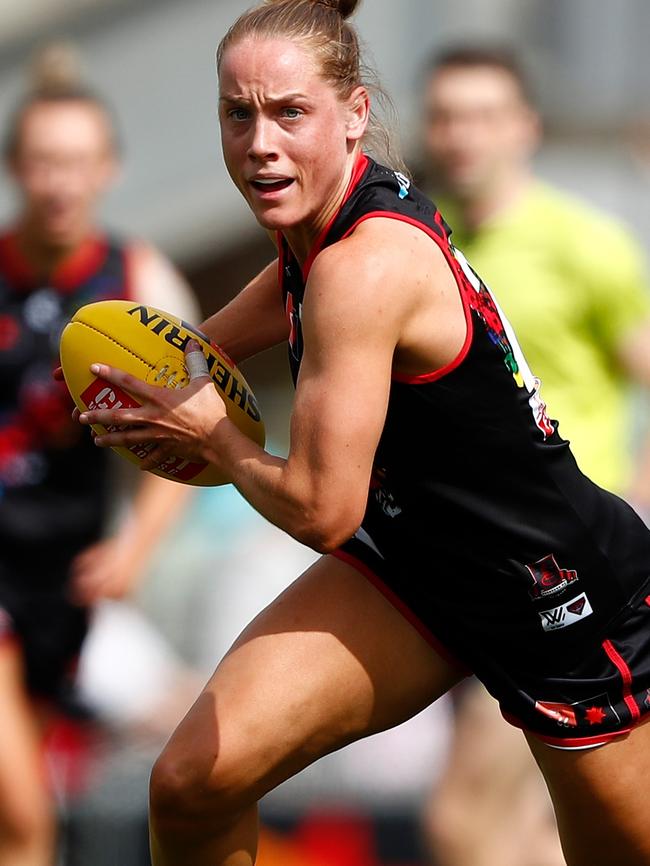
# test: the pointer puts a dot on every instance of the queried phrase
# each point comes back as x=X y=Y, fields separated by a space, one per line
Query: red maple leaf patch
x=595 y=715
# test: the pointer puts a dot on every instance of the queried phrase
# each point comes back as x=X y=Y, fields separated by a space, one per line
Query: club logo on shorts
x=563 y=714
x=589 y=713
x=566 y=614
x=549 y=578
x=383 y=497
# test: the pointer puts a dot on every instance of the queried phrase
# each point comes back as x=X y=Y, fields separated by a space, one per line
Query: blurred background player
x=572 y=283
x=61 y=151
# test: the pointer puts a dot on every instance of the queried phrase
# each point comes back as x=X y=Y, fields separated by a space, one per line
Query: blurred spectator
x=61 y=151
x=572 y=283
x=570 y=279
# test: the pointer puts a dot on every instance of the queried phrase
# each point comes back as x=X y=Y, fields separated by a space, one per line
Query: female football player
x=456 y=530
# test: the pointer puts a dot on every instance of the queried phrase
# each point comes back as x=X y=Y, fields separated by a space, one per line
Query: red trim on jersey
x=406 y=611
x=280 y=243
x=438 y=220
x=568 y=742
x=357 y=173
x=626 y=674
x=451 y=261
x=73 y=270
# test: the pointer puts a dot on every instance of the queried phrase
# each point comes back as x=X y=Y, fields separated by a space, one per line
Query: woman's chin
x=274 y=220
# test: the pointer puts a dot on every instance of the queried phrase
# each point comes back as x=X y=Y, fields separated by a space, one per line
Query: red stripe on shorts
x=626 y=674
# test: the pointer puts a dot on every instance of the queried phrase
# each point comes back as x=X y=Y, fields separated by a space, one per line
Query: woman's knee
x=188 y=788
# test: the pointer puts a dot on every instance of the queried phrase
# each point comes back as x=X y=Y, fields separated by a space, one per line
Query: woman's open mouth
x=271 y=184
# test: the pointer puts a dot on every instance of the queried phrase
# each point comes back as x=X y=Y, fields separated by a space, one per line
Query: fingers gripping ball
x=149 y=344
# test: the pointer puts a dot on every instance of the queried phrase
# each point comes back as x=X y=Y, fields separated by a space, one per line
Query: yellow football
x=149 y=344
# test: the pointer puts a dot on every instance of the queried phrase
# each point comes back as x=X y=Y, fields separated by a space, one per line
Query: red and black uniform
x=52 y=477
x=479 y=525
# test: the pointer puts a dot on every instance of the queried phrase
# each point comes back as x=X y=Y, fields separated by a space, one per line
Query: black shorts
x=601 y=692
x=36 y=614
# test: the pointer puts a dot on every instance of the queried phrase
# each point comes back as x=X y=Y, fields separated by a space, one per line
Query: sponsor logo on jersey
x=500 y=332
x=179 y=338
x=566 y=614
x=589 y=713
x=548 y=578
x=404 y=184
x=386 y=502
x=383 y=497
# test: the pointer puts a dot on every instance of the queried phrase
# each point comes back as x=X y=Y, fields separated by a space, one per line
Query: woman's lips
x=267 y=185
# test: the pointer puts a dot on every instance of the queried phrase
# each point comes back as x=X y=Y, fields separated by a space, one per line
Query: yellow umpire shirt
x=572 y=283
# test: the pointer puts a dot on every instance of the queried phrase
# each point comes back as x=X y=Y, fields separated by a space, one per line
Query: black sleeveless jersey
x=478 y=516
x=52 y=478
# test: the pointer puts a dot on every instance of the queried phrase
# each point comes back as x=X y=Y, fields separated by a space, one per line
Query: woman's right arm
x=253 y=321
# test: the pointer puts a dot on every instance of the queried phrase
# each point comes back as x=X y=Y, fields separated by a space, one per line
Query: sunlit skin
x=282 y=121
x=479 y=134
x=64 y=163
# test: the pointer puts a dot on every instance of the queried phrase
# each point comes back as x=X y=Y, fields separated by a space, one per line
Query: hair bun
x=55 y=69
x=345 y=8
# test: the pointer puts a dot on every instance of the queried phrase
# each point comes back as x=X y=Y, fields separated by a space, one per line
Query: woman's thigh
x=329 y=661
x=602 y=799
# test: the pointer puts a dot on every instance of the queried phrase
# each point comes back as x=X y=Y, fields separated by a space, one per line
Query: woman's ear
x=358 y=108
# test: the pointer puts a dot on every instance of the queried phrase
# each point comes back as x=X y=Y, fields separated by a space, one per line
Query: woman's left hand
x=180 y=422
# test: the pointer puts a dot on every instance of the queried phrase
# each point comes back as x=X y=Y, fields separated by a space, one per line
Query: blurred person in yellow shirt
x=570 y=278
x=572 y=282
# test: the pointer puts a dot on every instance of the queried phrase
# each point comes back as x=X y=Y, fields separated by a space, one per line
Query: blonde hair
x=322 y=26
x=55 y=76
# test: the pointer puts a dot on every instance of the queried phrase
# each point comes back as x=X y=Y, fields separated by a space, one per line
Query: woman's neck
x=301 y=238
